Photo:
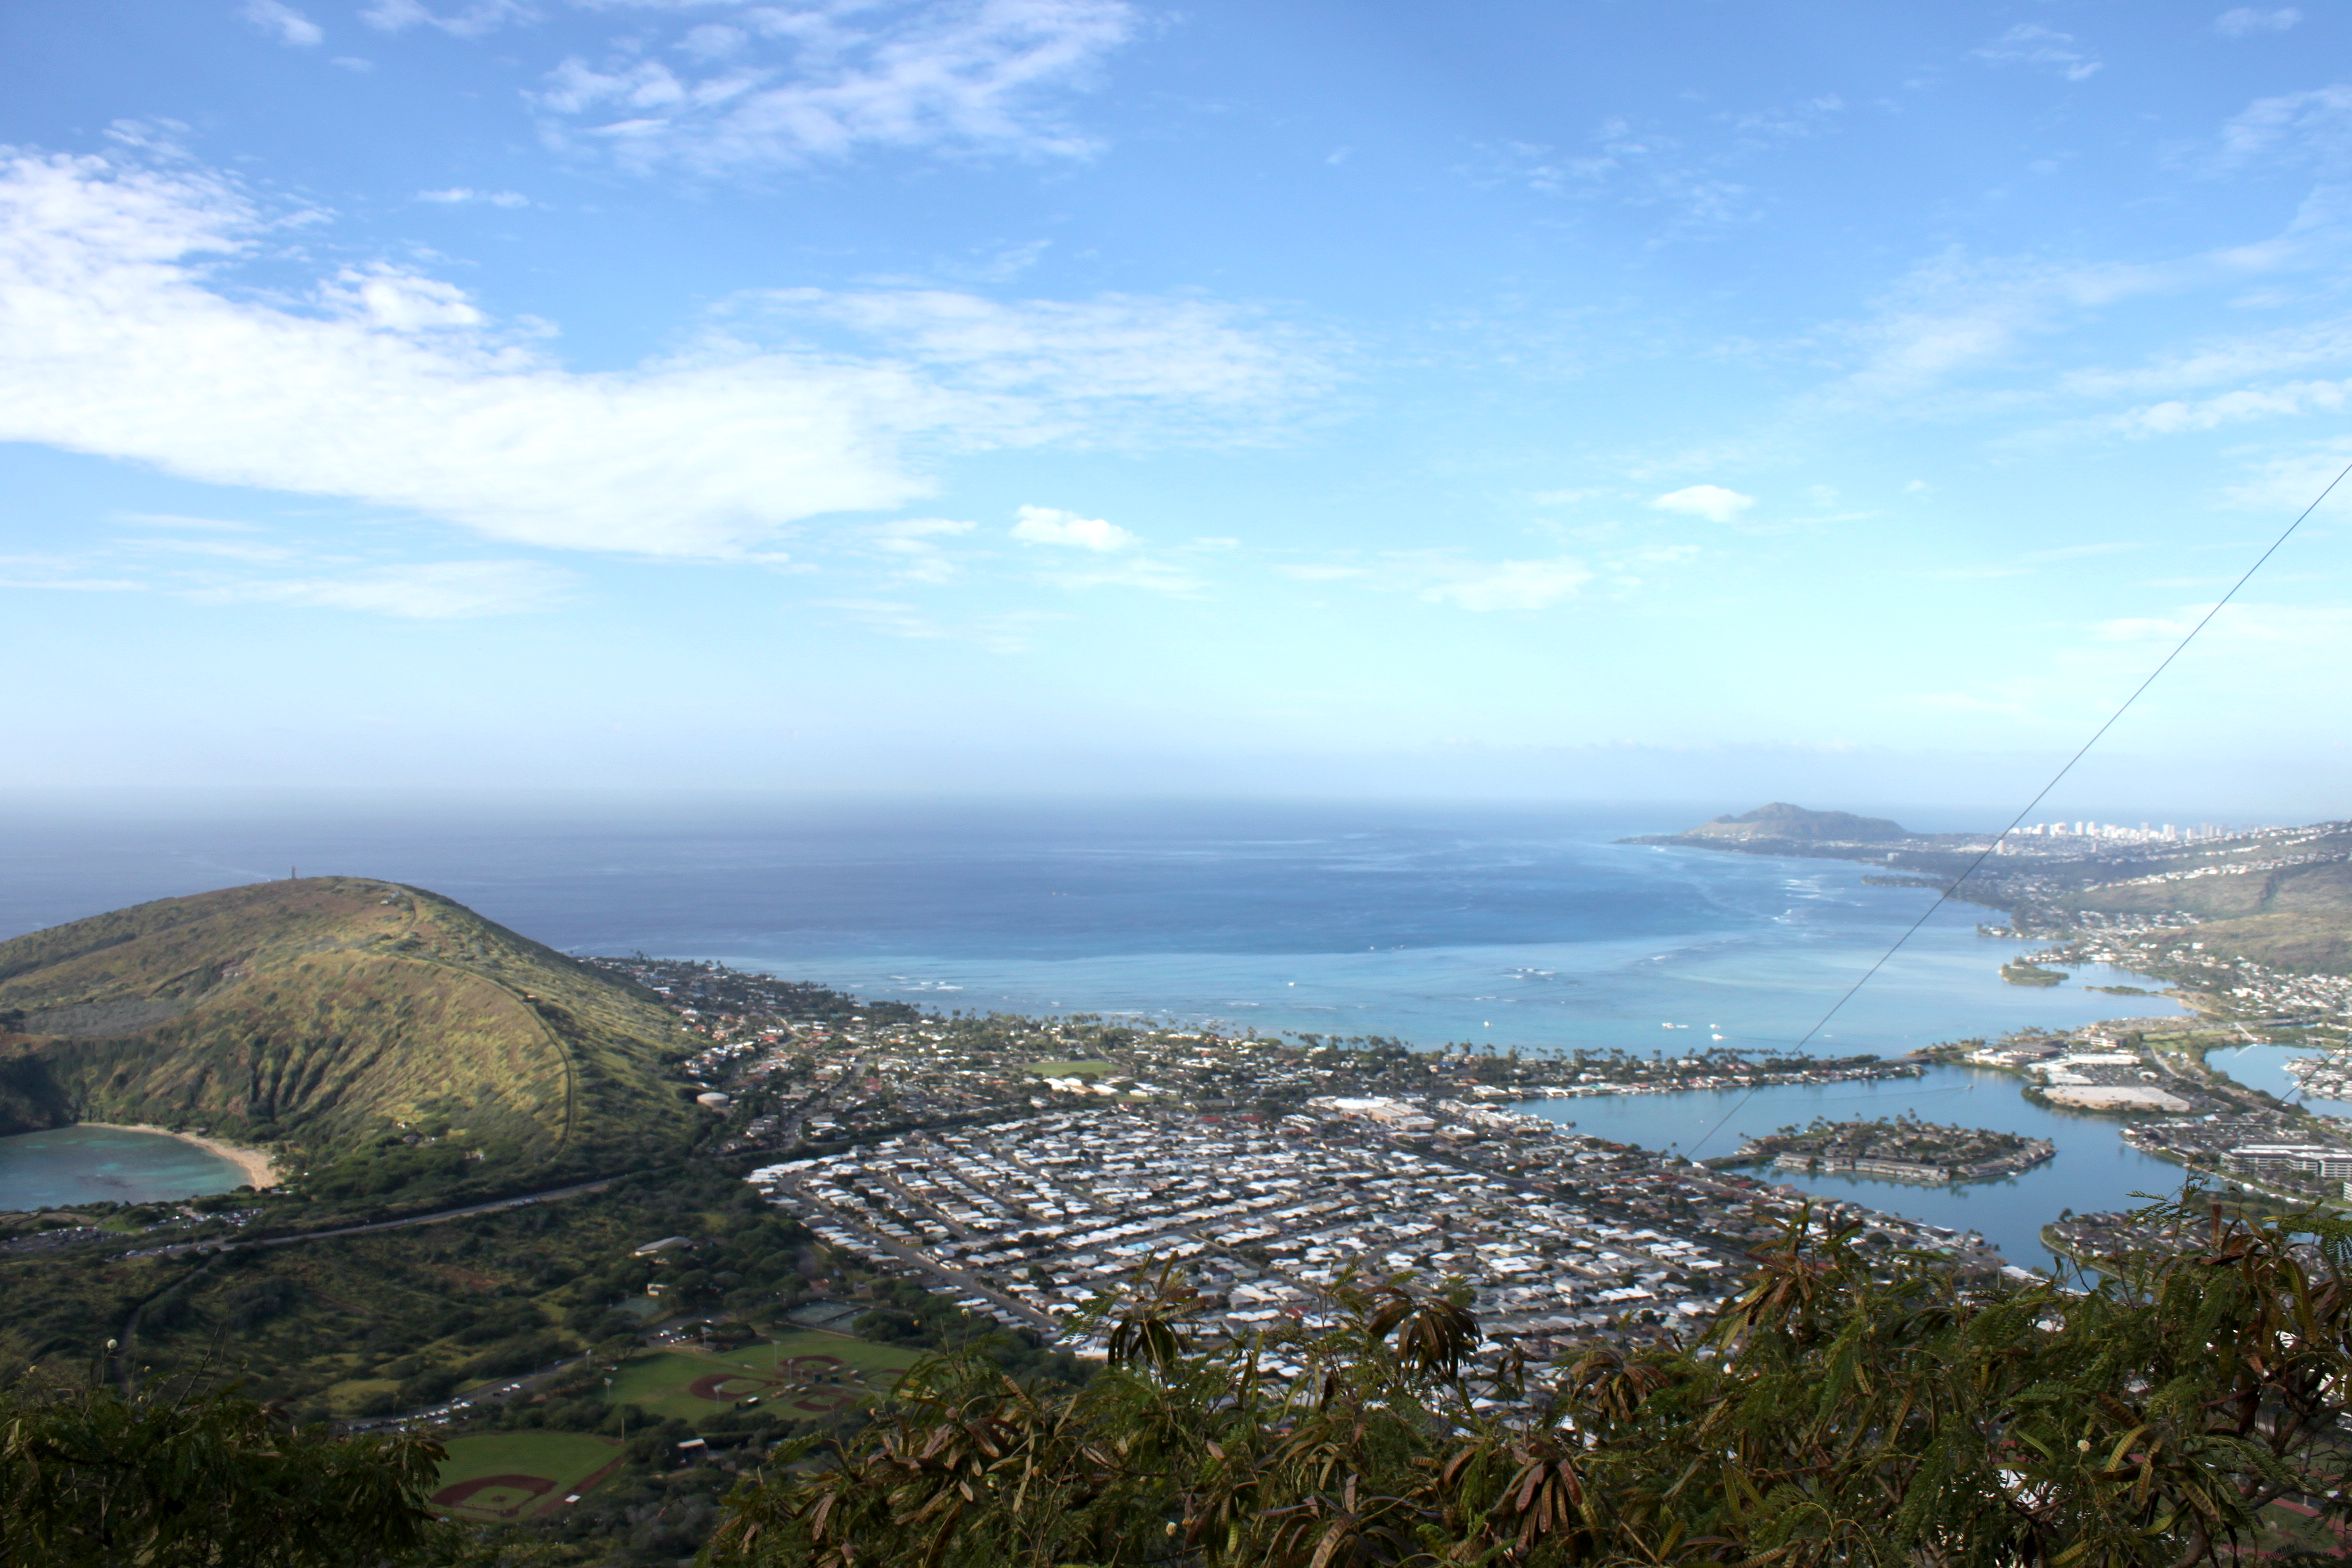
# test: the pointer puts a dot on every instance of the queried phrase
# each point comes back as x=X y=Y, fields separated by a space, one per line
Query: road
x=437 y=1217
x=122 y=1348
x=917 y=1259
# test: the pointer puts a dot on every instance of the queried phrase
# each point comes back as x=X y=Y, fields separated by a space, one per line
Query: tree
x=1834 y=1412
x=90 y=1478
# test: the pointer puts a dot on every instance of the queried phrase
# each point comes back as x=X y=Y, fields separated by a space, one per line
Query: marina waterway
x=68 y=1165
x=2264 y=1067
x=2093 y=1169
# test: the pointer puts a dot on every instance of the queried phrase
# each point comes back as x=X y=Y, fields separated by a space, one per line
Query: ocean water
x=1516 y=929
x=69 y=1165
x=1525 y=930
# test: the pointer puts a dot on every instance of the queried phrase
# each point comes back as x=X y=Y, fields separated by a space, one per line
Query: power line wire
x=1943 y=897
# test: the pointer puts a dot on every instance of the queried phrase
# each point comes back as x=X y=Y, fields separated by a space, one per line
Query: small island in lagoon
x=1901 y=1149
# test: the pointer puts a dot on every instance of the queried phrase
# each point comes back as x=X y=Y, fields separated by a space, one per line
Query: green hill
x=384 y=1034
x=2296 y=917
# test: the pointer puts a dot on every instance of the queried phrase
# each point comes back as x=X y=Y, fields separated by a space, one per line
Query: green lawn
x=526 y=1472
x=796 y=1375
x=1086 y=1069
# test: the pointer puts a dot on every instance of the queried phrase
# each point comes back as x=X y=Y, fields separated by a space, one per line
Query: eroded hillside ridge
x=335 y=1012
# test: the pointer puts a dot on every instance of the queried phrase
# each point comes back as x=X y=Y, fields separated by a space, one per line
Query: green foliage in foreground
x=89 y=1479
x=1829 y=1416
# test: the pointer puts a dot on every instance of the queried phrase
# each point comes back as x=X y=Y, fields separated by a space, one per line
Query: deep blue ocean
x=1525 y=929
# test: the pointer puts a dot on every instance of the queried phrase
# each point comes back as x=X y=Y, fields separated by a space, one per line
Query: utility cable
x=1943 y=897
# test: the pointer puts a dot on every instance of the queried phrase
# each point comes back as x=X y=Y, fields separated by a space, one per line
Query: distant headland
x=1783 y=822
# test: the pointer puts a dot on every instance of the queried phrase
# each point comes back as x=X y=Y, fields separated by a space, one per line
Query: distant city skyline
x=1080 y=396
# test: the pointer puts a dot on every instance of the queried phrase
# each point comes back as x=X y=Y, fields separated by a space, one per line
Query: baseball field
x=799 y=1375
x=511 y=1475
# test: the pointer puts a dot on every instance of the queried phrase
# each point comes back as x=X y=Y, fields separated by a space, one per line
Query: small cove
x=65 y=1166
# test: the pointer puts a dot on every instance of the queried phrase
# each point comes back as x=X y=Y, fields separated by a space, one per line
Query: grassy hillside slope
x=340 y=1016
x=2296 y=917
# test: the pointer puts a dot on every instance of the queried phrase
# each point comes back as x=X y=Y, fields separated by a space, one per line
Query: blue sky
x=1571 y=401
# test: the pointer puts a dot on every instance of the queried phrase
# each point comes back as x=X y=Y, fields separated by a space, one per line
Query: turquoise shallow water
x=1760 y=987
x=69 y=1165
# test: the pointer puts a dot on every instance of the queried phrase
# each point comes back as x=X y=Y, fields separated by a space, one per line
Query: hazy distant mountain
x=1783 y=821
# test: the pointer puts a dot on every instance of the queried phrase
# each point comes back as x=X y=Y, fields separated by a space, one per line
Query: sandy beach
x=259 y=1171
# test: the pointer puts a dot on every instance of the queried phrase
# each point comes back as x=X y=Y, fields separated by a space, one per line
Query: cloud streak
x=1715 y=503
x=2246 y=21
x=1051 y=526
x=2041 y=48
x=423 y=591
x=282 y=22
x=397 y=390
x=775 y=87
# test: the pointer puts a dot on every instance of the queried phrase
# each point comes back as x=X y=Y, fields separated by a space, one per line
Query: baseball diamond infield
x=796 y=1375
x=508 y=1475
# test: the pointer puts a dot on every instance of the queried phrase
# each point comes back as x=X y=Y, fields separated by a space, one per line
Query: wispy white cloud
x=2282 y=483
x=2245 y=21
x=2042 y=48
x=1009 y=632
x=398 y=300
x=1715 y=503
x=1488 y=586
x=1698 y=180
x=1452 y=577
x=1052 y=526
x=213 y=561
x=1092 y=552
x=2306 y=345
x=2086 y=551
x=282 y=22
x=464 y=195
x=1322 y=571
x=914 y=548
x=177 y=521
x=472 y=19
x=2176 y=415
x=425 y=591
x=2244 y=629
x=1642 y=168
x=1150 y=574
x=247 y=551
x=61 y=574
x=1185 y=365
x=1954 y=314
x=2313 y=128
x=1972 y=703
x=122 y=338
x=1793 y=121
x=773 y=86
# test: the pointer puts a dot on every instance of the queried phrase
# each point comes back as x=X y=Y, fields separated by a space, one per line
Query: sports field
x=801 y=1375
x=511 y=1475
